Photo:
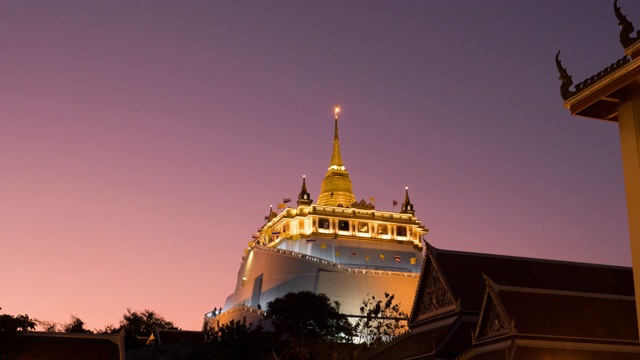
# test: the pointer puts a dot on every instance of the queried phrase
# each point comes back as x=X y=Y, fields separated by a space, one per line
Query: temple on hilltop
x=338 y=246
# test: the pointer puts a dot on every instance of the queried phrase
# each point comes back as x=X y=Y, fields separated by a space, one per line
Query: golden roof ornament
x=336 y=189
x=336 y=157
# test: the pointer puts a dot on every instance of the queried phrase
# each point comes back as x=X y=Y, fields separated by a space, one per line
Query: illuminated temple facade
x=338 y=246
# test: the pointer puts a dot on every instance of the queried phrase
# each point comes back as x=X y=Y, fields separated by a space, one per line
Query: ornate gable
x=363 y=205
x=434 y=294
x=494 y=320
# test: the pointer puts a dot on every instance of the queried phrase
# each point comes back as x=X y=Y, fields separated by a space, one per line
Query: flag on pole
x=286 y=200
x=397 y=257
x=395 y=203
x=281 y=206
x=373 y=199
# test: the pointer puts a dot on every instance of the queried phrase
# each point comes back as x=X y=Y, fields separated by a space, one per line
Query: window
x=301 y=225
x=383 y=229
x=401 y=231
x=323 y=223
x=363 y=227
x=343 y=225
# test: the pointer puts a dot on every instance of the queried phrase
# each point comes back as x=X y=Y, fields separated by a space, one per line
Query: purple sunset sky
x=142 y=142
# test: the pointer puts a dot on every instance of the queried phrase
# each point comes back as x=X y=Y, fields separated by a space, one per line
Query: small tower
x=407 y=206
x=272 y=214
x=304 y=198
x=336 y=186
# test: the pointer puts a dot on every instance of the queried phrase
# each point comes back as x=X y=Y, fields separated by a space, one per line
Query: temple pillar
x=629 y=124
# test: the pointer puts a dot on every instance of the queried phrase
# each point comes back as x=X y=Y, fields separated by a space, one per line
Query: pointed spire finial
x=304 y=198
x=272 y=214
x=407 y=206
x=336 y=185
x=335 y=131
x=336 y=157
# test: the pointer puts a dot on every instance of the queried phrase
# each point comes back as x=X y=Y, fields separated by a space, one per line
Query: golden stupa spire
x=336 y=157
x=336 y=185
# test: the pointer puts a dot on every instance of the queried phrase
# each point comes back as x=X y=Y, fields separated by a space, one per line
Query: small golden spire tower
x=336 y=187
x=407 y=206
x=304 y=198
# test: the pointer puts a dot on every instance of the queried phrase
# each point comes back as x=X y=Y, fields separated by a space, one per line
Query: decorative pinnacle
x=407 y=206
x=626 y=27
x=304 y=184
x=565 y=86
x=335 y=132
x=336 y=157
x=304 y=198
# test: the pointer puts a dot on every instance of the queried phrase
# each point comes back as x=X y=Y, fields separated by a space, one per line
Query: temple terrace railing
x=336 y=265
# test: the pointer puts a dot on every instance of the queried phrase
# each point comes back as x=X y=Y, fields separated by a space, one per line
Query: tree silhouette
x=76 y=326
x=307 y=320
x=144 y=323
x=382 y=320
x=47 y=326
x=10 y=328
x=237 y=340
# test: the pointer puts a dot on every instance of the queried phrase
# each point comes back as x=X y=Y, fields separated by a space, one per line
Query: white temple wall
x=367 y=252
x=270 y=275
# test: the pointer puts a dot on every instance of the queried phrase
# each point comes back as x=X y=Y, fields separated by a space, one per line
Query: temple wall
x=270 y=275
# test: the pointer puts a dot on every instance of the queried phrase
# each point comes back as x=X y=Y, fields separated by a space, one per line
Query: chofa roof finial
x=626 y=27
x=565 y=86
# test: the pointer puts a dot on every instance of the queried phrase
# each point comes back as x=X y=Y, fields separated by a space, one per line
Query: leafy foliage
x=382 y=320
x=47 y=326
x=237 y=340
x=76 y=326
x=10 y=328
x=144 y=323
x=307 y=320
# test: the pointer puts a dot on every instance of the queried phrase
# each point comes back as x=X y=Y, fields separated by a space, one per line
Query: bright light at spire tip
x=337 y=110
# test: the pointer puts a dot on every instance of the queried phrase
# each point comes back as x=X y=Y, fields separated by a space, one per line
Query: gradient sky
x=142 y=142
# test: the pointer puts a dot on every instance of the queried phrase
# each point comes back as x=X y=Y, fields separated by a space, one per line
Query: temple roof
x=467 y=282
x=454 y=313
x=569 y=314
